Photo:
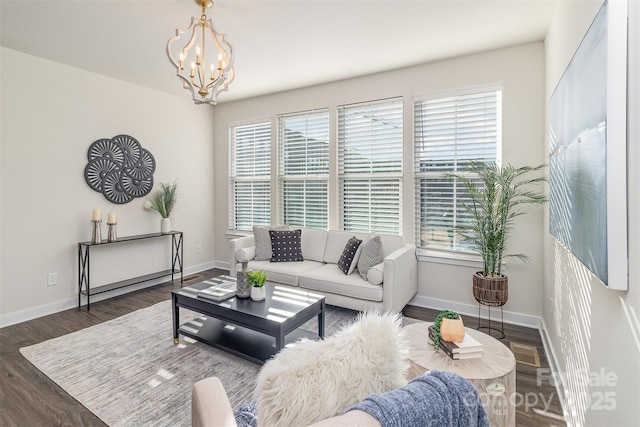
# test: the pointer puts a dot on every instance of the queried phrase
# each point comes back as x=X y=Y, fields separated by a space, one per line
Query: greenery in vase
x=256 y=278
x=494 y=199
x=164 y=199
x=444 y=314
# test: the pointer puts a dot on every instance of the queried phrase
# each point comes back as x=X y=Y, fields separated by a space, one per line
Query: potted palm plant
x=495 y=197
x=163 y=200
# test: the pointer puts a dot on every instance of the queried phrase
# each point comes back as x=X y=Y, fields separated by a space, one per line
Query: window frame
x=316 y=118
x=261 y=129
x=370 y=179
x=457 y=256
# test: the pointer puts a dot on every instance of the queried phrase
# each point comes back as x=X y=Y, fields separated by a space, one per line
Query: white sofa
x=319 y=271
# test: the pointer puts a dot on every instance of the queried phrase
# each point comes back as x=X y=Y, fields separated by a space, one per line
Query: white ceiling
x=279 y=44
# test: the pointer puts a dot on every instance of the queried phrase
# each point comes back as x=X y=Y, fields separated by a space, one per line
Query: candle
x=212 y=75
x=198 y=55
x=193 y=69
x=111 y=217
x=181 y=61
x=96 y=215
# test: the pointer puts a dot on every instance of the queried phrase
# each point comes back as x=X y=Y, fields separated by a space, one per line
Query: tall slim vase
x=165 y=225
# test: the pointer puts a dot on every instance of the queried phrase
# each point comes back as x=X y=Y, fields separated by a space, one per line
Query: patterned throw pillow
x=263 y=240
x=286 y=245
x=370 y=255
x=349 y=258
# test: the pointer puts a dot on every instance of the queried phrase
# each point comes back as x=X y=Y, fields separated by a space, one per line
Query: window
x=370 y=166
x=449 y=132
x=250 y=180
x=303 y=169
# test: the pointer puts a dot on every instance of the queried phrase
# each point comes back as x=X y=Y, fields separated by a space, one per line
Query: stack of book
x=469 y=348
x=219 y=291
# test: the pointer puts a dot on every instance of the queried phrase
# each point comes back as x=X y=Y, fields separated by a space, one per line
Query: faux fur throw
x=314 y=380
x=433 y=399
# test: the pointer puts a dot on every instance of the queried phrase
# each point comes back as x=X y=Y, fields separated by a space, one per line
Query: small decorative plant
x=256 y=278
x=444 y=314
x=164 y=199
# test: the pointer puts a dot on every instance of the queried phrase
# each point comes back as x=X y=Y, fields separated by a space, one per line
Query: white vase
x=165 y=225
x=257 y=294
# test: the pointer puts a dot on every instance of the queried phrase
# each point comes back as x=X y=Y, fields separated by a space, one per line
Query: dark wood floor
x=29 y=398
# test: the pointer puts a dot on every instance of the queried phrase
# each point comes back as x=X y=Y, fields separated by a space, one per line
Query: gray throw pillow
x=370 y=255
x=286 y=246
x=263 y=241
x=349 y=258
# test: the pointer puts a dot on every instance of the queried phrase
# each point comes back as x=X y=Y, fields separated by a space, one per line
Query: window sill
x=450 y=258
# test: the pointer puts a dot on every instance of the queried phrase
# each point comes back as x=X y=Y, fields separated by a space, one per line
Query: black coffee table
x=254 y=330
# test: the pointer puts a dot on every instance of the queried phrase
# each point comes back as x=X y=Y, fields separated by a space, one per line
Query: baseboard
x=557 y=374
x=69 y=303
x=472 y=311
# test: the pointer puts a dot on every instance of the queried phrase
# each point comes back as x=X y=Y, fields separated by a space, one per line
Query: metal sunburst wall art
x=120 y=169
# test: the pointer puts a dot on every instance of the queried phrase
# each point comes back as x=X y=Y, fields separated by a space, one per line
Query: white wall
x=519 y=69
x=51 y=113
x=595 y=332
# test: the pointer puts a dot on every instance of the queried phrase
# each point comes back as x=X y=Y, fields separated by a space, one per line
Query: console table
x=84 y=264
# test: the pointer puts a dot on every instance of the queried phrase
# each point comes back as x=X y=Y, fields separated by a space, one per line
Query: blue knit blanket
x=436 y=398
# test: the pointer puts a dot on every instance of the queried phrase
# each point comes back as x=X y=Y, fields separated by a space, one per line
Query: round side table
x=493 y=374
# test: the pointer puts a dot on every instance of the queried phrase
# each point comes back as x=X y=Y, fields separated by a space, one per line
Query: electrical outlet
x=52 y=279
x=198 y=248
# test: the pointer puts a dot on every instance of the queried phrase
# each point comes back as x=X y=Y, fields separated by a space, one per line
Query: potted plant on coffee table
x=256 y=279
x=495 y=196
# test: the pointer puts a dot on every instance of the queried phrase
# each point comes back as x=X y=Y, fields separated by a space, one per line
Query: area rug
x=128 y=372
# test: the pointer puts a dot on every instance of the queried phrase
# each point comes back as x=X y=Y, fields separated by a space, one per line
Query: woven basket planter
x=491 y=291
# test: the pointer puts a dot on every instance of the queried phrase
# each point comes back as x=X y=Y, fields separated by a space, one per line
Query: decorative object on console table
x=496 y=195
x=256 y=279
x=111 y=231
x=96 y=220
x=244 y=287
x=451 y=330
x=163 y=200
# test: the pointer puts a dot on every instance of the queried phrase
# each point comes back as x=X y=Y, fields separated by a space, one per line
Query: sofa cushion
x=349 y=258
x=329 y=278
x=336 y=241
x=286 y=246
x=313 y=243
x=375 y=275
x=284 y=272
x=263 y=240
x=370 y=255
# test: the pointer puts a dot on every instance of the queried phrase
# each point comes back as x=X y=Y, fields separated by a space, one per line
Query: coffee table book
x=469 y=348
x=218 y=291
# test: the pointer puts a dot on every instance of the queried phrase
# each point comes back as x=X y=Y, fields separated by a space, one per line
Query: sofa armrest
x=400 y=278
x=234 y=245
x=210 y=405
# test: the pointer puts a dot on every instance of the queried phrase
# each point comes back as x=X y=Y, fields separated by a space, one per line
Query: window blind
x=370 y=142
x=449 y=133
x=250 y=175
x=303 y=168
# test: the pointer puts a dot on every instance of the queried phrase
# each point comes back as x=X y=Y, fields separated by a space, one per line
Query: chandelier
x=211 y=62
